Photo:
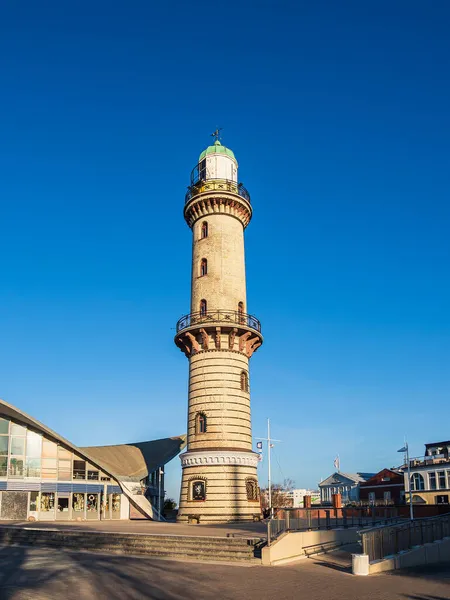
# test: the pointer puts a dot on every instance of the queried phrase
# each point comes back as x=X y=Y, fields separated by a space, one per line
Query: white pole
x=270 y=482
x=159 y=493
x=411 y=510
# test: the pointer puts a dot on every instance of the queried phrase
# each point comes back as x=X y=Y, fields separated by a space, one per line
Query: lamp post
x=406 y=449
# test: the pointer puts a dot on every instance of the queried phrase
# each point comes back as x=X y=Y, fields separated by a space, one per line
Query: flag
x=337 y=462
x=259 y=445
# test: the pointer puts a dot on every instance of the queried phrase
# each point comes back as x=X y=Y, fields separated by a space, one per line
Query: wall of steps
x=163 y=546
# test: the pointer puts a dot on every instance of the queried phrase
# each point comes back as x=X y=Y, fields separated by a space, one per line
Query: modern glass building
x=44 y=477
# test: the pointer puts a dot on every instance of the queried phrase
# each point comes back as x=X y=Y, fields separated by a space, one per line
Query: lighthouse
x=218 y=336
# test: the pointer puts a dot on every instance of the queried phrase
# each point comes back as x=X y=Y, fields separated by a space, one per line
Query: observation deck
x=218 y=330
x=219 y=317
x=216 y=185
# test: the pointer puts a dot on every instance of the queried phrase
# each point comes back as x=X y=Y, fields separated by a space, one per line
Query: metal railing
x=219 y=316
x=212 y=185
x=307 y=519
x=392 y=539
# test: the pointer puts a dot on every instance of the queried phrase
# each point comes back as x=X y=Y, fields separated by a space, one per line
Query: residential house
x=385 y=487
x=346 y=484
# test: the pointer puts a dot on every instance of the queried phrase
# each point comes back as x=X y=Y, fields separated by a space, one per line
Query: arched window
x=198 y=490
x=200 y=423
x=251 y=486
x=203 y=267
x=244 y=381
x=417 y=482
x=203 y=308
x=240 y=312
x=204 y=230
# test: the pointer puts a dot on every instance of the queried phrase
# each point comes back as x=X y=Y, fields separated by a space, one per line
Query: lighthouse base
x=219 y=487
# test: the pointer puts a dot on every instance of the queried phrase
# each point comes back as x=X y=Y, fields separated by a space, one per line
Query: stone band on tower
x=219 y=481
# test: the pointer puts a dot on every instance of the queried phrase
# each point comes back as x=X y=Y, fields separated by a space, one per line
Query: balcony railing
x=212 y=185
x=436 y=459
x=219 y=316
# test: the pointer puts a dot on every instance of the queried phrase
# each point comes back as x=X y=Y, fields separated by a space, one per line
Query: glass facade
x=58 y=484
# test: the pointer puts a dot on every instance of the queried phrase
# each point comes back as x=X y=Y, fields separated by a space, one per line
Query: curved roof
x=124 y=461
x=217 y=148
x=137 y=460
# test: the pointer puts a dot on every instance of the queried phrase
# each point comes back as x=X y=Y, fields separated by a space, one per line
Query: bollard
x=360 y=564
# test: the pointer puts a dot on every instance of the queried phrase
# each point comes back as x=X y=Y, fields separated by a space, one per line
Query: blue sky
x=339 y=116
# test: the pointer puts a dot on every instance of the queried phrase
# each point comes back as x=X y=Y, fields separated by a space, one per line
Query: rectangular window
x=18 y=429
x=442 y=499
x=17 y=446
x=371 y=497
x=4 y=439
x=79 y=469
x=34 y=501
x=33 y=467
x=64 y=470
x=92 y=475
x=387 y=496
x=63 y=505
x=16 y=466
x=4 y=426
x=34 y=445
x=78 y=501
x=432 y=477
x=49 y=468
x=49 y=449
x=47 y=501
x=441 y=477
x=3 y=466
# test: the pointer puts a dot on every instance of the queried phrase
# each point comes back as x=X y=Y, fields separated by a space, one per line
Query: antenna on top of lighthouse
x=216 y=134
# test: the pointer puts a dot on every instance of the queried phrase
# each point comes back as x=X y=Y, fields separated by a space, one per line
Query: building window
x=371 y=497
x=202 y=170
x=204 y=230
x=244 y=381
x=198 y=490
x=79 y=469
x=203 y=308
x=433 y=485
x=200 y=423
x=442 y=499
x=441 y=477
x=417 y=482
x=241 y=312
x=387 y=496
x=203 y=267
x=251 y=486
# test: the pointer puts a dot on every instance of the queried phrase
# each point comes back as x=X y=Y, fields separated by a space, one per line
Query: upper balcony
x=216 y=185
x=429 y=461
x=222 y=317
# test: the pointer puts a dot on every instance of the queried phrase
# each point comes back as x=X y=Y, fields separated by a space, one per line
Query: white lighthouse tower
x=219 y=482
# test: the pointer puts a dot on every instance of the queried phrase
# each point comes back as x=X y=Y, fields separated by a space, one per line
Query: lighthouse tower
x=219 y=482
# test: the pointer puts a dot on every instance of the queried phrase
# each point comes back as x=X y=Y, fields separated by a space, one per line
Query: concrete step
x=191 y=547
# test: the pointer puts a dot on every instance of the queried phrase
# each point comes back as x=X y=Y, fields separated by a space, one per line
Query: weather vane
x=216 y=133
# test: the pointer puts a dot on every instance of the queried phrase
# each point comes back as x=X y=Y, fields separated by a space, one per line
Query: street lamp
x=406 y=449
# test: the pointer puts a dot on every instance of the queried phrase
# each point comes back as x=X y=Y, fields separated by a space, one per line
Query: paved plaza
x=149 y=527
x=43 y=574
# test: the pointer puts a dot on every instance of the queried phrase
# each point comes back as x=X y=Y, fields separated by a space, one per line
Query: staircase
x=202 y=548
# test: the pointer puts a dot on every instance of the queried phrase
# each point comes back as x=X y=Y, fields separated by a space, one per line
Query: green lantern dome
x=217 y=148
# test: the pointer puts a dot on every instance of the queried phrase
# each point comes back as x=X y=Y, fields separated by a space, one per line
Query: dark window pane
x=4 y=439
x=198 y=490
x=4 y=426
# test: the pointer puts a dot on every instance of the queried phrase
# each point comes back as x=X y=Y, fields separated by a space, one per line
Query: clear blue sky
x=339 y=115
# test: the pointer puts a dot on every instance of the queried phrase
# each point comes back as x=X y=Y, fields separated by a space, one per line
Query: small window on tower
x=241 y=312
x=204 y=232
x=252 y=489
x=203 y=267
x=200 y=423
x=203 y=308
x=244 y=381
x=202 y=170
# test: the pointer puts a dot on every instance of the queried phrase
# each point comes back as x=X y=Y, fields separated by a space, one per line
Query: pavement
x=149 y=527
x=43 y=574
